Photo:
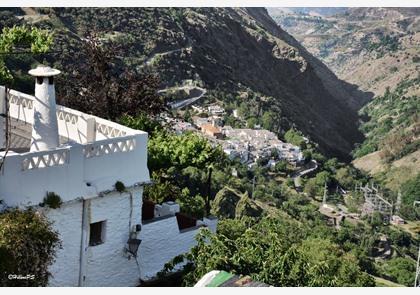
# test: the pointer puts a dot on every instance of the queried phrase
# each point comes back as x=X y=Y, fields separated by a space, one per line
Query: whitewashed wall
x=27 y=186
x=67 y=220
x=106 y=264
x=162 y=241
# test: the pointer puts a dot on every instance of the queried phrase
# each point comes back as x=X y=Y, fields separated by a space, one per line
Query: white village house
x=80 y=157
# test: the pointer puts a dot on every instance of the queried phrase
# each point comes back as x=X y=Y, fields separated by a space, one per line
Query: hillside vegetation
x=374 y=48
x=238 y=54
x=378 y=49
x=392 y=133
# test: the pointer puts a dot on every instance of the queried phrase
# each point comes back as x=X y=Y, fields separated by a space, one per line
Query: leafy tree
x=195 y=179
x=268 y=120
x=179 y=165
x=98 y=82
x=275 y=250
x=243 y=110
x=307 y=154
x=141 y=122
x=294 y=137
x=410 y=193
x=161 y=190
x=320 y=158
x=344 y=177
x=400 y=238
x=376 y=219
x=191 y=205
x=331 y=165
x=354 y=201
x=311 y=187
x=28 y=245
x=281 y=166
x=251 y=122
x=401 y=270
x=180 y=151
x=322 y=178
x=17 y=38
x=290 y=182
x=261 y=162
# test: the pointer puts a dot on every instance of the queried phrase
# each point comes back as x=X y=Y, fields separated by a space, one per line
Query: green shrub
x=52 y=200
x=119 y=187
x=28 y=246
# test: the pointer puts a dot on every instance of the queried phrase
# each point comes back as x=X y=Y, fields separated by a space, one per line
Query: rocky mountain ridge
x=378 y=49
x=374 y=48
x=234 y=50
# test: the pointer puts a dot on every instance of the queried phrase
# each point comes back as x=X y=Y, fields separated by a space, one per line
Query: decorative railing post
x=90 y=130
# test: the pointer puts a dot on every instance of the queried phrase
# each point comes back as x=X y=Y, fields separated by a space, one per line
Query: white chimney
x=45 y=127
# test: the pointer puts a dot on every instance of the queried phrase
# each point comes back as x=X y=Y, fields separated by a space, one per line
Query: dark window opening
x=50 y=80
x=97 y=233
x=147 y=210
x=39 y=80
x=185 y=221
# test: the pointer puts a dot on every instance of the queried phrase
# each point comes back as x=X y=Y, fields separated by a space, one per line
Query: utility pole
x=324 y=198
x=210 y=170
x=398 y=204
x=417 y=280
x=253 y=186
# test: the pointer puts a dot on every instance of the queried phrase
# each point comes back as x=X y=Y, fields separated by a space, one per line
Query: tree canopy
x=17 y=38
x=275 y=250
x=410 y=193
x=28 y=245
x=98 y=82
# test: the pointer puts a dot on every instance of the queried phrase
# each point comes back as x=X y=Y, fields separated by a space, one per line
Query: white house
x=80 y=157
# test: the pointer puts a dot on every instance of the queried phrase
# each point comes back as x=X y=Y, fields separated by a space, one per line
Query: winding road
x=311 y=166
x=195 y=92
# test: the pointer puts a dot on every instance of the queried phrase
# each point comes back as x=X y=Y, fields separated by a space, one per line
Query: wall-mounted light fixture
x=133 y=246
x=138 y=227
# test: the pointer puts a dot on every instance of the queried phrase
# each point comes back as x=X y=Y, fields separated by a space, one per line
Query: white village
x=248 y=145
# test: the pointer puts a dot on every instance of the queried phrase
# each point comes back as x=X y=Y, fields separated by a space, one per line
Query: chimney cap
x=43 y=71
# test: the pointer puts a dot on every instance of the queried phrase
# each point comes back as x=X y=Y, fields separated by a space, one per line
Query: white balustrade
x=21 y=99
x=67 y=116
x=109 y=131
x=99 y=152
x=108 y=146
x=45 y=159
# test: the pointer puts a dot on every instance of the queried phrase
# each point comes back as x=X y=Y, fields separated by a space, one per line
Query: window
x=97 y=233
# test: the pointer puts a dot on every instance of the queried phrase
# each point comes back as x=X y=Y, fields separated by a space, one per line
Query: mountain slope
x=235 y=50
x=391 y=150
x=378 y=49
x=375 y=48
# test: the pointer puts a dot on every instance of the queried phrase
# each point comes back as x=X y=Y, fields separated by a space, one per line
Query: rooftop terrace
x=93 y=153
